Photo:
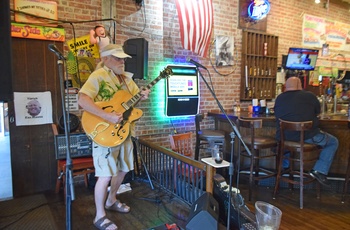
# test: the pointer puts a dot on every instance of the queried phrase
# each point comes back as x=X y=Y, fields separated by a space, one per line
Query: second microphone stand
x=232 y=135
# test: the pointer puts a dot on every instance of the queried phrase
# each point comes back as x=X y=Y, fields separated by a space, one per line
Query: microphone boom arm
x=195 y=63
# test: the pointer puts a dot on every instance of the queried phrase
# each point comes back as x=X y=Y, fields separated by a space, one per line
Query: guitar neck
x=135 y=99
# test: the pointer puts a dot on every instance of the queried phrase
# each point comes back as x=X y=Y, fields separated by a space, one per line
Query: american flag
x=196 y=19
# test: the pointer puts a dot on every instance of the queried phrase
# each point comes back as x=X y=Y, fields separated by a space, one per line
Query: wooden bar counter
x=336 y=125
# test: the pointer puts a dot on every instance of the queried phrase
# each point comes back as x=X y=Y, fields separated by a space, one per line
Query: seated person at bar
x=296 y=104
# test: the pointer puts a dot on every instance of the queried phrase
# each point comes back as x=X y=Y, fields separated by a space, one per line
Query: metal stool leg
x=346 y=182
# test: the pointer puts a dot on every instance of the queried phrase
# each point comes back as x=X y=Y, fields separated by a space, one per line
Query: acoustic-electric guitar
x=110 y=135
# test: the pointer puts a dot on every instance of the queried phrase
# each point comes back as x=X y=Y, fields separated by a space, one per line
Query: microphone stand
x=69 y=174
x=232 y=135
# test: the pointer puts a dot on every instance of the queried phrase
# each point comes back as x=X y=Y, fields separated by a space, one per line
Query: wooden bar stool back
x=302 y=155
x=183 y=144
x=207 y=138
x=256 y=143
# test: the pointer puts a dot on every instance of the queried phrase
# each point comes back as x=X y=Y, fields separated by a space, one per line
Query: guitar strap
x=122 y=79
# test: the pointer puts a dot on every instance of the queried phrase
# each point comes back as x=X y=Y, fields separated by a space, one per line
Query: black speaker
x=137 y=48
x=6 y=93
x=204 y=214
x=74 y=123
x=180 y=107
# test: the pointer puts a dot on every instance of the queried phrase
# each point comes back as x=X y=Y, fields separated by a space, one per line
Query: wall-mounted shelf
x=259 y=65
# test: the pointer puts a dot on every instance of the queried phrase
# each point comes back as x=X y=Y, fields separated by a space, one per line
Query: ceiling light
x=317 y=1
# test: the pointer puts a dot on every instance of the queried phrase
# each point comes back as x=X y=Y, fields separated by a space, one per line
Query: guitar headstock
x=166 y=72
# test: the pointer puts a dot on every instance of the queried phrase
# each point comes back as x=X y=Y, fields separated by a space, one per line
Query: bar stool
x=81 y=166
x=207 y=137
x=298 y=152
x=346 y=182
x=256 y=143
x=182 y=143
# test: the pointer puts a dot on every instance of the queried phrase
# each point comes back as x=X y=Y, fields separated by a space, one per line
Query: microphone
x=195 y=63
x=54 y=49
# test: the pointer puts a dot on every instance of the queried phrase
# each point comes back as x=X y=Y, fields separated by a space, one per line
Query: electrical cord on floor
x=161 y=200
x=181 y=218
x=155 y=196
x=25 y=212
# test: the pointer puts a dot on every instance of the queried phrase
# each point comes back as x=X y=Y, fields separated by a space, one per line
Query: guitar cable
x=174 y=129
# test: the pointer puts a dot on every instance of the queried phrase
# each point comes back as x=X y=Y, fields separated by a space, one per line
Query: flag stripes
x=196 y=20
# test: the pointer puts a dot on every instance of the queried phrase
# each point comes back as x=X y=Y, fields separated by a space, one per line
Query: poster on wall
x=71 y=100
x=81 y=47
x=79 y=69
x=33 y=108
x=224 y=51
x=31 y=8
x=318 y=31
x=37 y=32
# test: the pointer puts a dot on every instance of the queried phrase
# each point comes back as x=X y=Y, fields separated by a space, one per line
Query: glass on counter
x=329 y=107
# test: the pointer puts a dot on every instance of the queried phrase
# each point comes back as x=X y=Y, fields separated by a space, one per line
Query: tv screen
x=184 y=82
x=301 y=59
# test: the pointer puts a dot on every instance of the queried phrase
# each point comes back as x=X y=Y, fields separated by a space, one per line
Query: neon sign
x=258 y=9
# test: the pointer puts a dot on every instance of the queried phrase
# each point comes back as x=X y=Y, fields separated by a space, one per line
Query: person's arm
x=89 y=105
x=93 y=39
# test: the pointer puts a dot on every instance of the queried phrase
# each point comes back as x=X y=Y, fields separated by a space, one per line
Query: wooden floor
x=325 y=213
x=151 y=208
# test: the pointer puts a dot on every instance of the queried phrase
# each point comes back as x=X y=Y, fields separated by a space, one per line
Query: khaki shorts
x=108 y=161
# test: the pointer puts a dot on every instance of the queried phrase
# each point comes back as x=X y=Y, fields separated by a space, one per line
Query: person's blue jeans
x=329 y=145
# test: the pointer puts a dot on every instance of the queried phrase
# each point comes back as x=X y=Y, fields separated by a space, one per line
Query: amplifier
x=80 y=146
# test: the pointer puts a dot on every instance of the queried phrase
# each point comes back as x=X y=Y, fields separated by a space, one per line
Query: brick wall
x=161 y=30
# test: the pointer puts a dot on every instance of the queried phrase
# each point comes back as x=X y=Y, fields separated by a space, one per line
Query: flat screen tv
x=301 y=59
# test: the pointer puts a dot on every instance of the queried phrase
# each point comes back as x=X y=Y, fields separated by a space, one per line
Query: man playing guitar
x=111 y=163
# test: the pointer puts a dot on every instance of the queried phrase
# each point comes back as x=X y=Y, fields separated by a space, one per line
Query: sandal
x=103 y=223
x=118 y=207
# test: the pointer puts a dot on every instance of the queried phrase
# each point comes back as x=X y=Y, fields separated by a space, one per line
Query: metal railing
x=182 y=176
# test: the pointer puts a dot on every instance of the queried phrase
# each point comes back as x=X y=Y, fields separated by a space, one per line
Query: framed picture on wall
x=224 y=51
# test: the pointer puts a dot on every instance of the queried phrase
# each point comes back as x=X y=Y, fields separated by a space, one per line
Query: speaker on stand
x=137 y=48
x=204 y=214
